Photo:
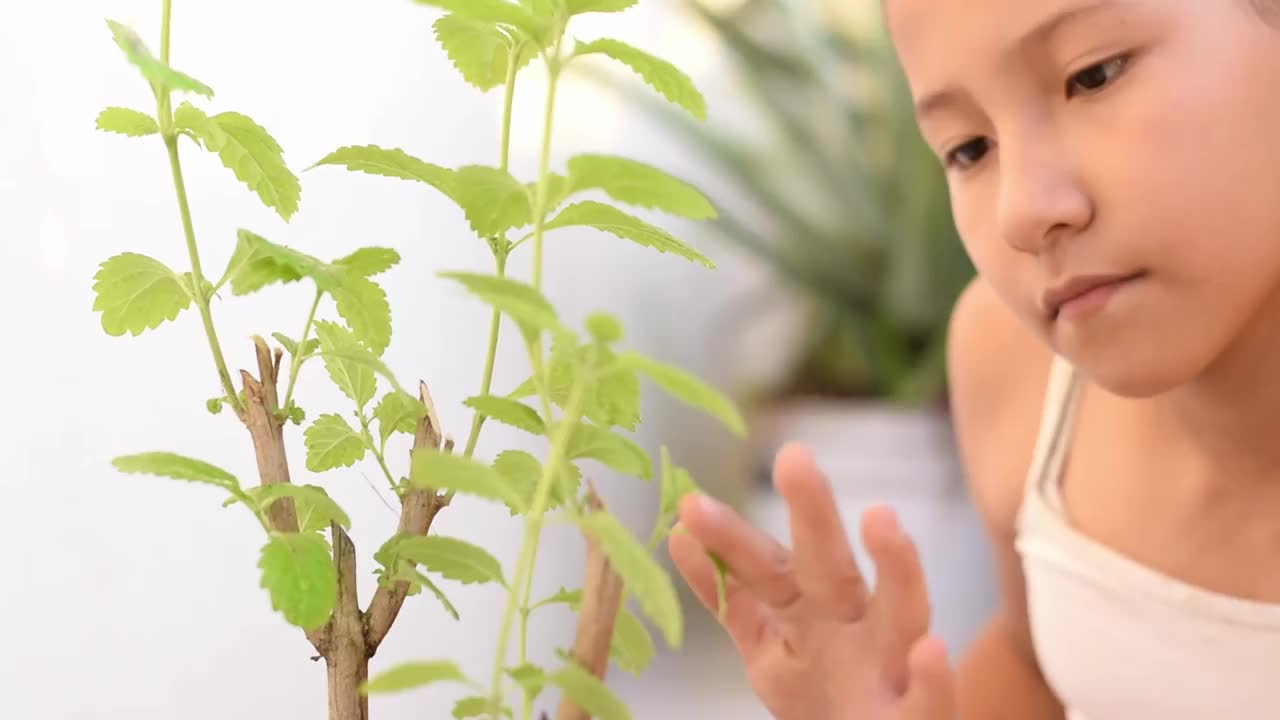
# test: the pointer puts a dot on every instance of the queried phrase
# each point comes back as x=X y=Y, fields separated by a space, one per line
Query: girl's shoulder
x=997 y=374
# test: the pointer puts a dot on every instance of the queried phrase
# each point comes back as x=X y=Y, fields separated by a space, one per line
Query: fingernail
x=709 y=507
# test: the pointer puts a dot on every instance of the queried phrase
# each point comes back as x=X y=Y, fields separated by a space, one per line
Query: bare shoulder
x=997 y=372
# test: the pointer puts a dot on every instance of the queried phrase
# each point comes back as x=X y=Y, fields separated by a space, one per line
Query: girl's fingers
x=744 y=616
x=931 y=691
x=826 y=570
x=757 y=560
x=901 y=600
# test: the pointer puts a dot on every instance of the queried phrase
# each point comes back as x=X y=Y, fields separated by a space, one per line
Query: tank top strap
x=1056 y=420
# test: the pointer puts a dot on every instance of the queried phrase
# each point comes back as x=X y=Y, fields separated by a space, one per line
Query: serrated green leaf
x=426 y=582
x=612 y=401
x=558 y=190
x=332 y=443
x=636 y=183
x=492 y=199
x=258 y=262
x=156 y=72
x=589 y=693
x=398 y=412
x=126 y=121
x=313 y=506
x=688 y=388
x=177 y=467
x=670 y=82
x=674 y=483
x=610 y=448
x=589 y=213
x=452 y=558
x=369 y=261
x=577 y=7
x=406 y=676
x=291 y=345
x=631 y=647
x=523 y=471
x=479 y=50
x=640 y=573
x=431 y=468
x=249 y=151
x=565 y=596
x=477 y=706
x=390 y=162
x=506 y=410
x=491 y=11
x=136 y=293
x=521 y=301
x=530 y=677
x=365 y=308
x=338 y=347
x=298 y=573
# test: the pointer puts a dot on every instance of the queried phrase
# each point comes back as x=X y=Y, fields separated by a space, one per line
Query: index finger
x=824 y=563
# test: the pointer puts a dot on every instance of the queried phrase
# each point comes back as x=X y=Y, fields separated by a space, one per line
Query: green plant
x=842 y=200
x=585 y=387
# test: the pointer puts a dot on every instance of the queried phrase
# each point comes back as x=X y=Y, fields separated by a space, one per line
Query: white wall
x=136 y=597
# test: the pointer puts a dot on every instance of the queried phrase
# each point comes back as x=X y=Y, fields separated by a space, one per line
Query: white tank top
x=1117 y=640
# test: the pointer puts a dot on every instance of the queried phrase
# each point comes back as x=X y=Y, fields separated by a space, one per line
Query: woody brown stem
x=347 y=660
x=601 y=602
x=418 y=508
x=267 y=432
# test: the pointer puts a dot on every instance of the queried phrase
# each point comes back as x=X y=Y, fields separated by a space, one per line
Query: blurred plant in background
x=844 y=202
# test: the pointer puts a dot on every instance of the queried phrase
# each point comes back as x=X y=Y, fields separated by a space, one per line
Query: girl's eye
x=1096 y=76
x=968 y=154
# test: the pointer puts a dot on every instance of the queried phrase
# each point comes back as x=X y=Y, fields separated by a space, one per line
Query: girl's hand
x=817 y=643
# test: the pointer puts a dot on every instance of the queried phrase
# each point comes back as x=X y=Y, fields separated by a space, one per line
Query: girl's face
x=1132 y=146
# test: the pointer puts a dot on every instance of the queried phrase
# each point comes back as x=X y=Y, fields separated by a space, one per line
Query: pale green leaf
x=640 y=573
x=338 y=348
x=530 y=677
x=631 y=647
x=136 y=293
x=558 y=190
x=506 y=410
x=127 y=121
x=628 y=227
x=249 y=151
x=332 y=443
x=572 y=598
x=491 y=11
x=477 y=706
x=390 y=162
x=610 y=448
x=424 y=581
x=298 y=573
x=291 y=345
x=177 y=467
x=577 y=7
x=671 y=82
x=452 y=558
x=369 y=261
x=156 y=72
x=492 y=199
x=257 y=262
x=589 y=693
x=687 y=388
x=430 y=468
x=604 y=327
x=636 y=183
x=365 y=308
x=613 y=400
x=313 y=506
x=521 y=301
x=523 y=471
x=398 y=412
x=479 y=50
x=409 y=675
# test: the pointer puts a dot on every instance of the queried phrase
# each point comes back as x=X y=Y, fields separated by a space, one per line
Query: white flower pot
x=879 y=453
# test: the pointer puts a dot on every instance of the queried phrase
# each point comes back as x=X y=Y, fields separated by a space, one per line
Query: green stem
x=544 y=167
x=377 y=453
x=295 y=361
x=164 y=113
x=532 y=533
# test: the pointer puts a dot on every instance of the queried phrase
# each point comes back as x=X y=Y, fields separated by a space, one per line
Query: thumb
x=931 y=686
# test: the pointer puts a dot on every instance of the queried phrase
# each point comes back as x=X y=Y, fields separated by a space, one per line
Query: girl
x=1114 y=168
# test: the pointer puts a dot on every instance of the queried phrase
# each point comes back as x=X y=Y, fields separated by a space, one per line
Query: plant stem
x=532 y=533
x=295 y=361
x=544 y=165
x=164 y=113
x=500 y=258
x=377 y=453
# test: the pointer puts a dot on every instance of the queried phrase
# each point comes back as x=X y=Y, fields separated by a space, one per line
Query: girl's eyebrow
x=950 y=95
